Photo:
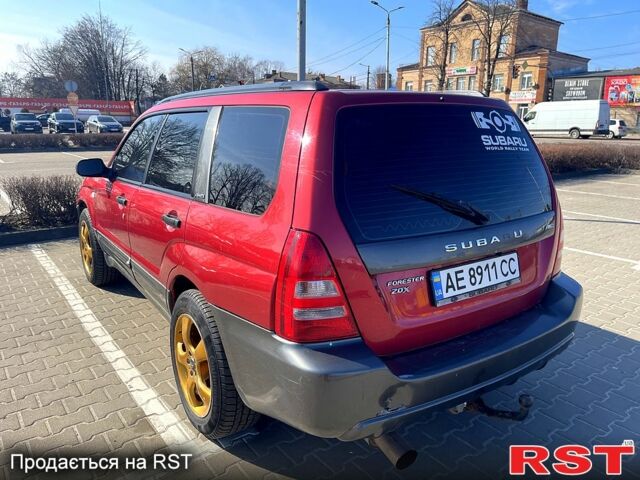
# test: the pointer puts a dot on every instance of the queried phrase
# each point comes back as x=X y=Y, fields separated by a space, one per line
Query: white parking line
x=603 y=216
x=160 y=415
x=597 y=194
x=636 y=264
x=595 y=180
x=74 y=155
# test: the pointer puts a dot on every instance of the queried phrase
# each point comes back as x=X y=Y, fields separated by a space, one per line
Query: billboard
x=578 y=88
x=622 y=90
x=40 y=104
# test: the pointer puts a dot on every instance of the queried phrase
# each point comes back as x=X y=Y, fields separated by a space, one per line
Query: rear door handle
x=171 y=220
x=121 y=200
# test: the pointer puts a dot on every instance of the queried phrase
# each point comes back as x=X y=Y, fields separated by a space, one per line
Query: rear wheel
x=202 y=374
x=93 y=262
x=574 y=133
x=610 y=135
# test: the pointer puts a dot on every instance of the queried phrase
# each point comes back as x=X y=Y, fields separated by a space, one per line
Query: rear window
x=389 y=158
x=622 y=123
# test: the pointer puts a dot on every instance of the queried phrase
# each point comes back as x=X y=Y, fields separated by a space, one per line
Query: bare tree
x=101 y=56
x=493 y=20
x=438 y=40
x=11 y=85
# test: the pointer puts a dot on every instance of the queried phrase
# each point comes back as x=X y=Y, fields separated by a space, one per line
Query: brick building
x=530 y=48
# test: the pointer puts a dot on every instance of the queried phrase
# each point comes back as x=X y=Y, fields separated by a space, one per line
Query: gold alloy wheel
x=192 y=364
x=85 y=247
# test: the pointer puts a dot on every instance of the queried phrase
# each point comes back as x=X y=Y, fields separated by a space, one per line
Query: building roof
x=535 y=50
x=605 y=73
x=410 y=66
x=328 y=80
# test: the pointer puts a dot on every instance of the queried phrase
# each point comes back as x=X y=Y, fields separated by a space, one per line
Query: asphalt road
x=86 y=371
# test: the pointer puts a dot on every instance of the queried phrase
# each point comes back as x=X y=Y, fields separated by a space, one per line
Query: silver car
x=102 y=124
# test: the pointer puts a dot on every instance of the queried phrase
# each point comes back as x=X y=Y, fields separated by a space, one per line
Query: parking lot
x=86 y=371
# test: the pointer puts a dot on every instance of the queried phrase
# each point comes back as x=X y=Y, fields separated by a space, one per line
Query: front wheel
x=202 y=374
x=574 y=133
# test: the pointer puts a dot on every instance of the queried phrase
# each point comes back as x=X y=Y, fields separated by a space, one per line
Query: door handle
x=171 y=220
x=121 y=200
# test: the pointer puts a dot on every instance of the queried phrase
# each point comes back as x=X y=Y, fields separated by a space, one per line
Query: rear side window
x=174 y=158
x=623 y=123
x=394 y=163
x=246 y=157
x=131 y=161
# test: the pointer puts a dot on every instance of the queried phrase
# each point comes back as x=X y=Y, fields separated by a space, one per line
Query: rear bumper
x=342 y=390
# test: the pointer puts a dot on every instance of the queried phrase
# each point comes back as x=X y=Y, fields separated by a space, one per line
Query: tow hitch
x=478 y=405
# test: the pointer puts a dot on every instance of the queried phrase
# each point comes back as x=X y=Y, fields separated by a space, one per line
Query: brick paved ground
x=59 y=394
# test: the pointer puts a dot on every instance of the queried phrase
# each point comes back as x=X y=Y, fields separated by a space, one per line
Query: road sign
x=72 y=98
x=70 y=86
x=74 y=109
x=525 y=65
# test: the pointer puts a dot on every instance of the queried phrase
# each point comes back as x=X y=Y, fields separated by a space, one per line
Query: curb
x=42 y=235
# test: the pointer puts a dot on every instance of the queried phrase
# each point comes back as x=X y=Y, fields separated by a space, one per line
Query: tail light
x=310 y=302
x=560 y=232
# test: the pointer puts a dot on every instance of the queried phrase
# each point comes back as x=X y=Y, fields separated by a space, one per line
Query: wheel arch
x=177 y=285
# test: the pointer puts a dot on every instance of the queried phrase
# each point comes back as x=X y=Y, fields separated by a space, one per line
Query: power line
x=346 y=53
x=319 y=60
x=604 y=48
x=599 y=16
x=361 y=58
x=622 y=54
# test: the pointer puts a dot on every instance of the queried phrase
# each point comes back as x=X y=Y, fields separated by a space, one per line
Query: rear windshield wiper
x=458 y=208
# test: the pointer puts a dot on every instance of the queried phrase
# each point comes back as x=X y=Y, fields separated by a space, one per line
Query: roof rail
x=296 y=86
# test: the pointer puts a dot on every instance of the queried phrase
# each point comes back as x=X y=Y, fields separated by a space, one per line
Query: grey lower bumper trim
x=343 y=390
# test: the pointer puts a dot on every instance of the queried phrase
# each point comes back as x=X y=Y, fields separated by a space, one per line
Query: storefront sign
x=623 y=90
x=40 y=104
x=522 y=96
x=577 y=89
x=472 y=70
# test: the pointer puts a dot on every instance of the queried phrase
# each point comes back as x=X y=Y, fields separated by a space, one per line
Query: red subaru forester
x=338 y=260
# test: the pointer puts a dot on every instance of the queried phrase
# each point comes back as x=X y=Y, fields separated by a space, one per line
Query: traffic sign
x=525 y=65
x=70 y=86
x=72 y=99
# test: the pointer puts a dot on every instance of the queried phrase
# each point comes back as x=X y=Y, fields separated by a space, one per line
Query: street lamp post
x=368 y=70
x=193 y=72
x=388 y=12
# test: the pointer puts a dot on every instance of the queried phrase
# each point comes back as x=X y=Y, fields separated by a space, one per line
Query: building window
x=408 y=86
x=498 y=83
x=431 y=56
x=449 y=84
x=428 y=85
x=460 y=83
x=453 y=52
x=503 y=46
x=475 y=49
x=526 y=81
x=472 y=83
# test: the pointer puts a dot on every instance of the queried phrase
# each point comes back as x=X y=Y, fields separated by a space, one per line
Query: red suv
x=338 y=260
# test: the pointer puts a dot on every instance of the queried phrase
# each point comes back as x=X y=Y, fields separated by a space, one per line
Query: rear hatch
x=450 y=209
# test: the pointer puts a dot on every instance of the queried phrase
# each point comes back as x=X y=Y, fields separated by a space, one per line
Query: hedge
x=607 y=154
x=37 y=141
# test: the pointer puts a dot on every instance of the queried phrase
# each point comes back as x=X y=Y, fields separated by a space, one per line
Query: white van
x=577 y=118
x=83 y=113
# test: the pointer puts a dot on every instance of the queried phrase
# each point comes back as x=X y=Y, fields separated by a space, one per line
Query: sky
x=266 y=29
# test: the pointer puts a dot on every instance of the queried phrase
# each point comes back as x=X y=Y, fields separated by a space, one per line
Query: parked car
x=322 y=264
x=60 y=122
x=576 y=118
x=5 y=122
x=25 y=123
x=82 y=114
x=44 y=119
x=617 y=128
x=102 y=124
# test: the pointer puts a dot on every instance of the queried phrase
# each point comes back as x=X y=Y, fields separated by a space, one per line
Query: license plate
x=28 y=128
x=477 y=278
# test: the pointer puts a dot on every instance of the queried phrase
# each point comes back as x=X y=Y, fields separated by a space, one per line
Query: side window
x=246 y=157
x=131 y=160
x=176 y=153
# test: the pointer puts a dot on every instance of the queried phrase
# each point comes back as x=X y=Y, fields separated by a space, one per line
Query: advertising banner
x=622 y=90
x=522 y=96
x=40 y=104
x=577 y=89
x=453 y=71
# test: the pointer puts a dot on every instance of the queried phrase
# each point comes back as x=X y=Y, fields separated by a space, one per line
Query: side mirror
x=93 y=167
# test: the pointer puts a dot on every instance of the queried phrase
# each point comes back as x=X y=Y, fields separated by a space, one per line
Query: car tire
x=574 y=133
x=94 y=263
x=203 y=378
x=611 y=135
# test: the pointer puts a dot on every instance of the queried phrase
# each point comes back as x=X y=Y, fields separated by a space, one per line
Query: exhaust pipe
x=395 y=449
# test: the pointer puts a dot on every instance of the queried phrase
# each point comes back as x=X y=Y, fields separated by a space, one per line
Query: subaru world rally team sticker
x=502 y=124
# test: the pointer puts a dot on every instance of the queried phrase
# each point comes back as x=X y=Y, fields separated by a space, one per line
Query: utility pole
x=193 y=71
x=389 y=12
x=302 y=38
x=368 y=70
